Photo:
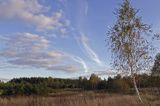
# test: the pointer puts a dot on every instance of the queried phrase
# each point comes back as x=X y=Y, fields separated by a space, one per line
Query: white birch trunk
x=137 y=91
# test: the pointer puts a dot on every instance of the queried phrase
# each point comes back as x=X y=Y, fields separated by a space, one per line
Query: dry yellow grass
x=81 y=99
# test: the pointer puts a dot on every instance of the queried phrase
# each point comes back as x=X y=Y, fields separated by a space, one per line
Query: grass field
x=80 y=99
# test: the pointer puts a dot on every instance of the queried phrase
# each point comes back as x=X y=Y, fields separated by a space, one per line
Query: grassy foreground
x=80 y=99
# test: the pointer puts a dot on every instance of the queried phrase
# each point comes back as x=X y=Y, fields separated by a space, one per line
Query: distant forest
x=44 y=86
x=116 y=84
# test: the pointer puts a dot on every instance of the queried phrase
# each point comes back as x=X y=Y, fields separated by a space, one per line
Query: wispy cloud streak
x=91 y=54
x=81 y=61
x=86 y=8
x=78 y=60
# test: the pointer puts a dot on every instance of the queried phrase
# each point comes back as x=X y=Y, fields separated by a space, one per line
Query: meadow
x=80 y=99
x=117 y=91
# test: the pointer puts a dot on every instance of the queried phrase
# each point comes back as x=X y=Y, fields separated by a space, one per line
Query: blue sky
x=61 y=38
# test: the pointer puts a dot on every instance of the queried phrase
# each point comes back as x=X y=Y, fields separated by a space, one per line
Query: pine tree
x=156 y=67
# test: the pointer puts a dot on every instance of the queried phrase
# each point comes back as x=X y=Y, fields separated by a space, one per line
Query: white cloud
x=65 y=68
x=26 y=49
x=92 y=55
x=31 y=12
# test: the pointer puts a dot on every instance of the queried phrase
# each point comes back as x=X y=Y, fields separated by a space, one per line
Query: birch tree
x=128 y=42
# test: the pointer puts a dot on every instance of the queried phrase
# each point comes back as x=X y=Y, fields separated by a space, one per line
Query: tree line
x=43 y=86
x=117 y=84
